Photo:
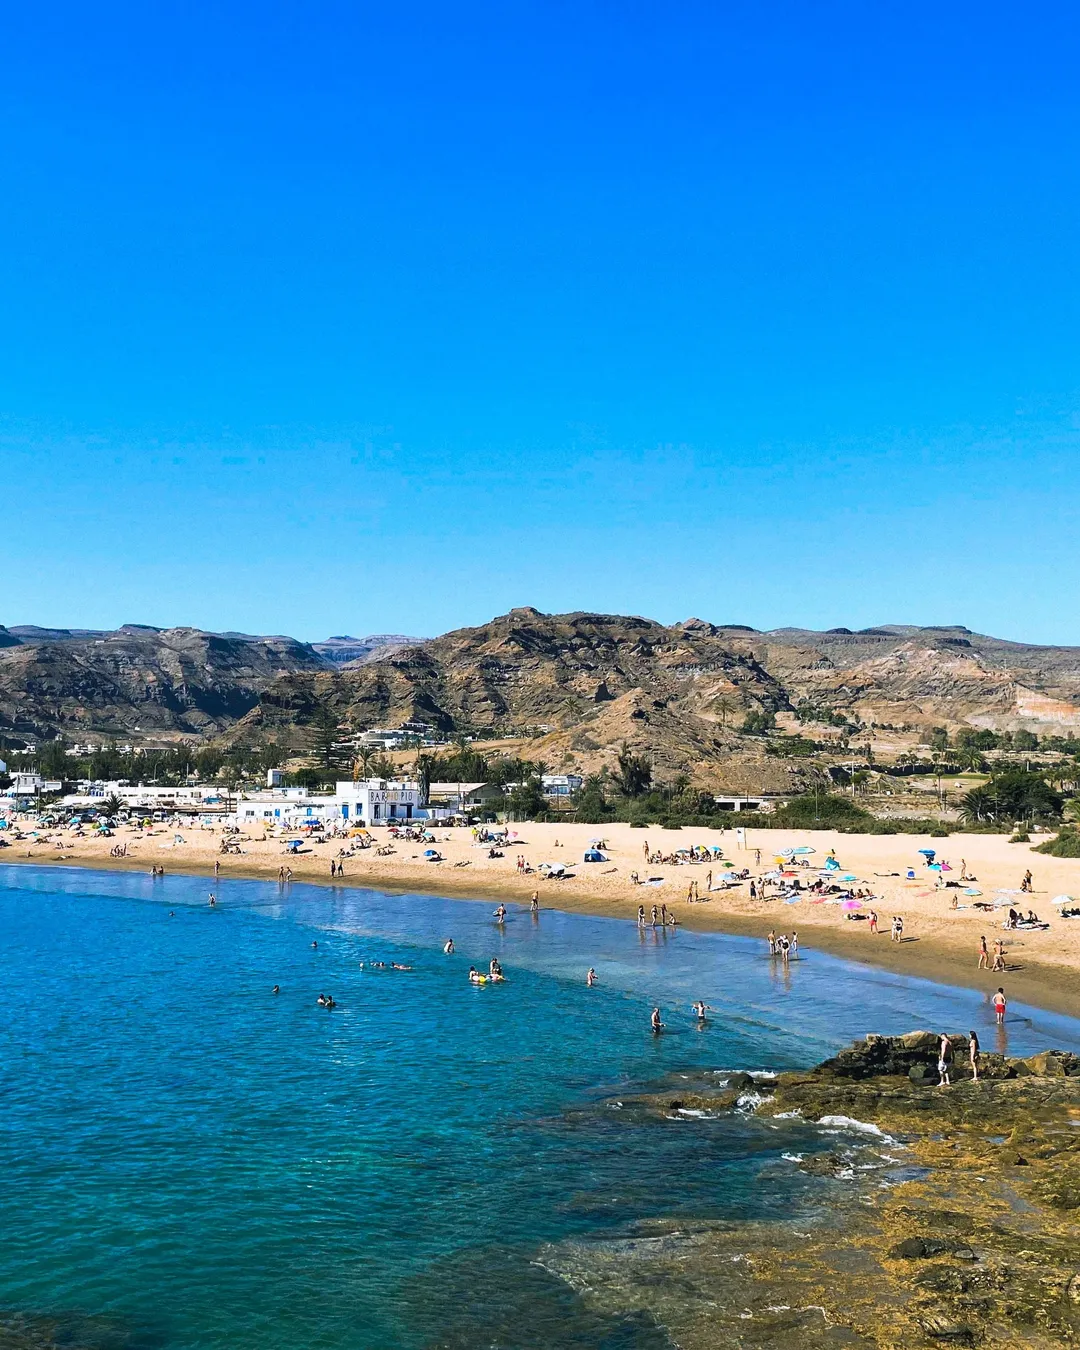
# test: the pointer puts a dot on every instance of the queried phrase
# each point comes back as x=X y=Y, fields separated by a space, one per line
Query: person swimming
x=314 y=945
x=275 y=990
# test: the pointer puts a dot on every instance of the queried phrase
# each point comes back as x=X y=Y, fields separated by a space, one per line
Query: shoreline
x=1048 y=986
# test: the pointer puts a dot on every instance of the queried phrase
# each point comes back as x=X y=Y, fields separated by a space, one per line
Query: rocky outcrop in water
x=949 y=1216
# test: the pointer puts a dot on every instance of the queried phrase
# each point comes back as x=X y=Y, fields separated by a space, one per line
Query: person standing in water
x=448 y=947
x=590 y=978
x=999 y=1006
x=655 y=1022
x=534 y=903
x=700 y=1009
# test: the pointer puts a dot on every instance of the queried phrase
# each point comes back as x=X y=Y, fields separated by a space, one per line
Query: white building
x=560 y=784
x=465 y=798
x=371 y=801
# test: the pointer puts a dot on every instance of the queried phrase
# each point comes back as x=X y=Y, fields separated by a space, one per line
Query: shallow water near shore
x=192 y=1161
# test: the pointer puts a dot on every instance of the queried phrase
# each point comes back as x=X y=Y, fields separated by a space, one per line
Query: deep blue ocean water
x=188 y=1160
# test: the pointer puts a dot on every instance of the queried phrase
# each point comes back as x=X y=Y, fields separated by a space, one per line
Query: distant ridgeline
x=722 y=704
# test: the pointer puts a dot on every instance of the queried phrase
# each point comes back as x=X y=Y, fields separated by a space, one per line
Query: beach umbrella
x=430 y=853
x=973 y=892
x=928 y=852
x=1062 y=900
x=804 y=849
x=788 y=852
x=853 y=904
x=848 y=876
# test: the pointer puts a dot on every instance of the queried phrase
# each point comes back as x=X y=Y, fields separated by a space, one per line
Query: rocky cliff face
x=587 y=681
x=139 y=681
x=528 y=669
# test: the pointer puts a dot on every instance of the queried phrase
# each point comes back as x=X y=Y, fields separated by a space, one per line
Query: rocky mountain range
x=585 y=682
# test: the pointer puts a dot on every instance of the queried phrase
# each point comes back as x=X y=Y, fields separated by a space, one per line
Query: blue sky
x=335 y=317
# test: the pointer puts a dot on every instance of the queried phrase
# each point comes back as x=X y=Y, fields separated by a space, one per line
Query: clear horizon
x=345 y=318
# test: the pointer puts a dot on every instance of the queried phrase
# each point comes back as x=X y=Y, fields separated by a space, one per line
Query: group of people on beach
x=661 y=917
x=783 y=946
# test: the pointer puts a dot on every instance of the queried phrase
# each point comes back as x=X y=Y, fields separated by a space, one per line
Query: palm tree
x=423 y=776
x=725 y=708
x=978 y=805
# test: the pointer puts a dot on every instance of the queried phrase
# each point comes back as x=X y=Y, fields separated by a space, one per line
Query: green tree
x=978 y=806
x=52 y=759
x=422 y=771
x=526 y=801
x=326 y=747
x=633 y=773
x=591 y=806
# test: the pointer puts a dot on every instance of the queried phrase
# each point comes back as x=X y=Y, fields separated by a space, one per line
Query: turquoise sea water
x=187 y=1160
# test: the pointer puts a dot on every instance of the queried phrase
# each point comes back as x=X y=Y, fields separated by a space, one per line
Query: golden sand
x=940 y=943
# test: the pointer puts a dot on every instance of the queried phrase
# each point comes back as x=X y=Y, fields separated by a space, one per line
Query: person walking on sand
x=873 y=921
x=1025 y=885
x=973 y=1055
x=757 y=857
x=999 y=1006
x=217 y=869
x=999 y=955
x=984 y=954
x=646 y=850
x=708 y=881
x=944 y=1055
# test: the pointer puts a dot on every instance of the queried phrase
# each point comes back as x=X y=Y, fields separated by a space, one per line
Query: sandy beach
x=939 y=942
